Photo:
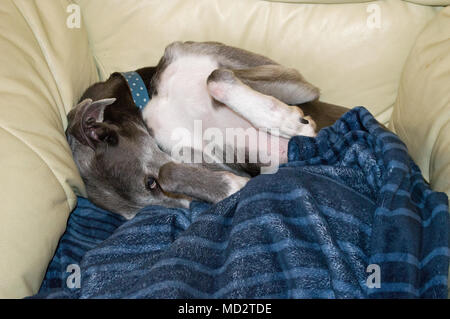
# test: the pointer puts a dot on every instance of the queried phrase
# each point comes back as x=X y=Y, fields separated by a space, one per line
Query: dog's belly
x=183 y=114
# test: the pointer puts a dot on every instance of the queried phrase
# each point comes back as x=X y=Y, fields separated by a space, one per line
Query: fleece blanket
x=349 y=216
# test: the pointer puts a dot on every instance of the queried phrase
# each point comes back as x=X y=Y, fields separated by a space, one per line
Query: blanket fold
x=349 y=216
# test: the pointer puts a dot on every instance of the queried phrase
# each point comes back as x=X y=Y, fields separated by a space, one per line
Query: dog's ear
x=87 y=123
x=94 y=111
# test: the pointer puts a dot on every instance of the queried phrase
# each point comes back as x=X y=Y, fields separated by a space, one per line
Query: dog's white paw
x=293 y=123
x=235 y=183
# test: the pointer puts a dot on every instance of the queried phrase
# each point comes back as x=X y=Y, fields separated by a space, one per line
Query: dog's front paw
x=234 y=183
x=293 y=123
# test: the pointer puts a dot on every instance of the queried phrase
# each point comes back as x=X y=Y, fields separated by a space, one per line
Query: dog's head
x=116 y=154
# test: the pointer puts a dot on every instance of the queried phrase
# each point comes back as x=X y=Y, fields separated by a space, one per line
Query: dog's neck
x=147 y=75
x=138 y=89
x=139 y=83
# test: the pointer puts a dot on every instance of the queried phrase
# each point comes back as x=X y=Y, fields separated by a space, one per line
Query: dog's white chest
x=183 y=104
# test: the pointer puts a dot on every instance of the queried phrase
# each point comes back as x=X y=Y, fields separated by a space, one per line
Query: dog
x=124 y=130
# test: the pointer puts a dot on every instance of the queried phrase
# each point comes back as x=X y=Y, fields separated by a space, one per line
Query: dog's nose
x=303 y=121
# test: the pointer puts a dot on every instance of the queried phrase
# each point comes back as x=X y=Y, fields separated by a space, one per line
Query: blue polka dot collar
x=137 y=87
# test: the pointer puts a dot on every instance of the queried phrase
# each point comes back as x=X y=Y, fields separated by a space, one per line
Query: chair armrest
x=44 y=67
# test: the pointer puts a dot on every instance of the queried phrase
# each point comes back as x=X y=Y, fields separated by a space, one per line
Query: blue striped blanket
x=349 y=216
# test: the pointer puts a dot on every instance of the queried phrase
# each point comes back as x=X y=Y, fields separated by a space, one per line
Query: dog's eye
x=150 y=183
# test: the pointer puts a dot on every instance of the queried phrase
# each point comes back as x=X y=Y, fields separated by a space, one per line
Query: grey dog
x=126 y=155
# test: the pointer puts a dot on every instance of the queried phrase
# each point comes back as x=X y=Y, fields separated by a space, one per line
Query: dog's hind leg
x=285 y=84
x=261 y=95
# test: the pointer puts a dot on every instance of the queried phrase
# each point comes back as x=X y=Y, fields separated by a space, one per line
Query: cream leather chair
x=391 y=56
